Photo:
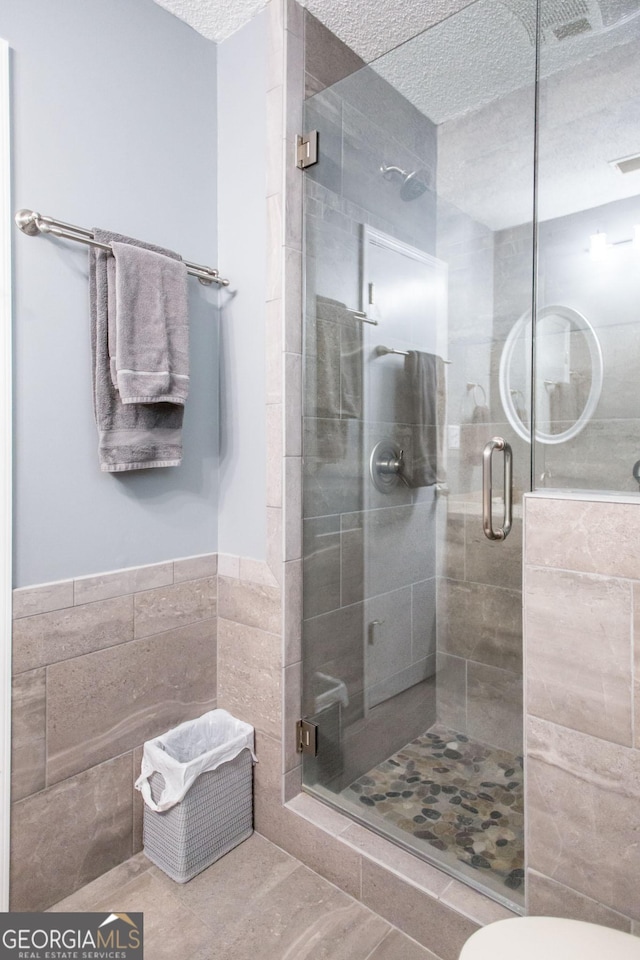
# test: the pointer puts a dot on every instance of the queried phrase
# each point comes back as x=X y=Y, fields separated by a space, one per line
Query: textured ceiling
x=474 y=58
x=373 y=27
x=370 y=27
x=214 y=19
x=484 y=53
x=588 y=116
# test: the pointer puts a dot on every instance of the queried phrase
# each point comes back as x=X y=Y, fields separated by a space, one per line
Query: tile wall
x=582 y=664
x=100 y=664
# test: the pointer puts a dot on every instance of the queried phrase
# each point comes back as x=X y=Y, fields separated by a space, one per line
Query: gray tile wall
x=582 y=578
x=100 y=665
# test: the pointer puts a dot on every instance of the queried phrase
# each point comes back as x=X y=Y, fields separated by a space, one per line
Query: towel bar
x=33 y=223
x=384 y=351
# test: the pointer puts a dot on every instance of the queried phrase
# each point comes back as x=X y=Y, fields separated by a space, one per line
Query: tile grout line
x=74 y=581
x=580 y=733
x=79 y=773
x=121 y=643
x=384 y=937
x=360 y=903
x=633 y=668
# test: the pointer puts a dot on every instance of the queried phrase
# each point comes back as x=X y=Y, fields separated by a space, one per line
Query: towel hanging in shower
x=427 y=387
x=338 y=370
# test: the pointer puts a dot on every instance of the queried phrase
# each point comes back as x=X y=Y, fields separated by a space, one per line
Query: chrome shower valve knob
x=386 y=466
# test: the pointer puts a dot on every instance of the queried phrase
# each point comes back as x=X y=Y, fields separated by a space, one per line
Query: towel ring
x=474 y=387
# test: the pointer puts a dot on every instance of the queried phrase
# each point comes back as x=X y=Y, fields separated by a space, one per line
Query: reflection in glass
x=569 y=374
x=586 y=258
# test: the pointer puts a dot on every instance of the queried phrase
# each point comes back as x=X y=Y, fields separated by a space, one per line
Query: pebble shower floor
x=458 y=795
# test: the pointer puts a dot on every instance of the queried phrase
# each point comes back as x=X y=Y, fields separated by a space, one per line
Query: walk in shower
x=438 y=220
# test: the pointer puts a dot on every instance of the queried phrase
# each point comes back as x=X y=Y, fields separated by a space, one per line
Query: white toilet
x=550 y=938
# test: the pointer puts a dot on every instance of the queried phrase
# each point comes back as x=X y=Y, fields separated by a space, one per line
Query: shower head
x=413 y=184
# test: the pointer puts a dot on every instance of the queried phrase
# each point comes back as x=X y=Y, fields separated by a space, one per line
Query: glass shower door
x=588 y=258
x=418 y=264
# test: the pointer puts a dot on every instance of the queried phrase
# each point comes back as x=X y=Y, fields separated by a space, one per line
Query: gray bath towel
x=425 y=373
x=131 y=436
x=339 y=353
x=338 y=369
x=151 y=325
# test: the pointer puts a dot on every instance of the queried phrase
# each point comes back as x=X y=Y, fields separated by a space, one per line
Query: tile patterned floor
x=460 y=796
x=255 y=902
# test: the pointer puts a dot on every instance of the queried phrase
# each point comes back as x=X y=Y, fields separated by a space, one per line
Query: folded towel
x=132 y=436
x=151 y=325
x=425 y=373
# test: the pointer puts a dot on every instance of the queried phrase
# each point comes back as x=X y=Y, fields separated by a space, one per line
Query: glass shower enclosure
x=425 y=380
x=418 y=255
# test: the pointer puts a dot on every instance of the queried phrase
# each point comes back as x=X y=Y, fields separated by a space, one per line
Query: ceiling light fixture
x=626 y=164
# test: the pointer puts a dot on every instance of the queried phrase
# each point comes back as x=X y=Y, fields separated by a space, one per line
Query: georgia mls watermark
x=71 y=936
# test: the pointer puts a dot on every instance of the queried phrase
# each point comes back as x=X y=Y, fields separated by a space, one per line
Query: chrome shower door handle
x=496 y=443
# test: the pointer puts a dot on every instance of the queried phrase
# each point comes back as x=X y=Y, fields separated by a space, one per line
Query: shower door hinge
x=307 y=737
x=307 y=149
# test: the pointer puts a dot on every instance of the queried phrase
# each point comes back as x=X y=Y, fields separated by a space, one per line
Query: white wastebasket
x=208 y=764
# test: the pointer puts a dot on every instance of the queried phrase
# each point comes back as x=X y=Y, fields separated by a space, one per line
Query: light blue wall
x=242 y=131
x=114 y=124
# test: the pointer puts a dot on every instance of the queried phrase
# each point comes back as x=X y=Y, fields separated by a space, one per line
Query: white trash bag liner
x=188 y=750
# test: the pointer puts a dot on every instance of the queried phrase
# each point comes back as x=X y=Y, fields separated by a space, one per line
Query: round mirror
x=569 y=373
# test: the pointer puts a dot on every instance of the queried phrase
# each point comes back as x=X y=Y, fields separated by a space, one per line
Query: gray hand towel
x=426 y=376
x=151 y=325
x=131 y=436
x=338 y=369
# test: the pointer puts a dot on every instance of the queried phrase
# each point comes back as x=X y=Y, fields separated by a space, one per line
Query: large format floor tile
x=256 y=901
